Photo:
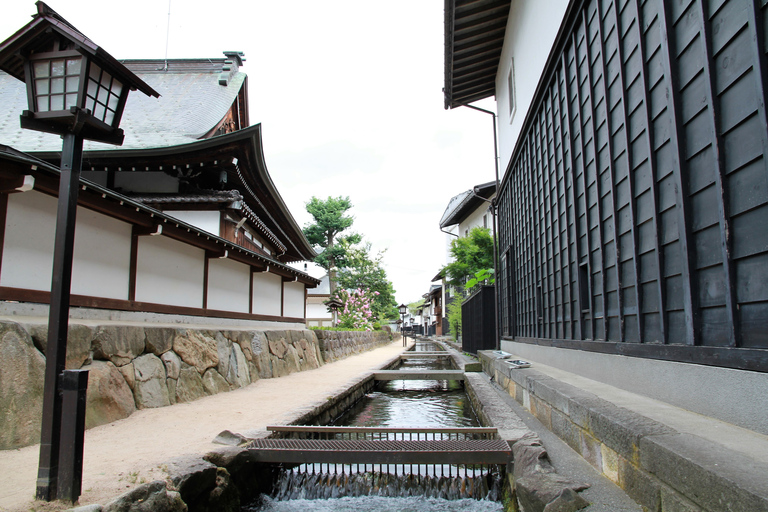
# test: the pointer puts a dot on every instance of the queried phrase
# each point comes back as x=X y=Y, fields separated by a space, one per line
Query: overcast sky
x=349 y=94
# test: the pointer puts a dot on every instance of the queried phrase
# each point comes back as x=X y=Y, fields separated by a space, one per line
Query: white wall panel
x=209 y=221
x=169 y=272
x=228 y=285
x=267 y=293
x=28 y=246
x=293 y=300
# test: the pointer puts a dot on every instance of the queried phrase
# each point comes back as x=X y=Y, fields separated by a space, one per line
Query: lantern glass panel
x=56 y=83
x=103 y=94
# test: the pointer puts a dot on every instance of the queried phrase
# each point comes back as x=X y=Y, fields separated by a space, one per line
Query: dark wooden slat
x=660 y=288
x=572 y=197
x=726 y=242
x=760 y=71
x=677 y=138
x=585 y=184
x=612 y=174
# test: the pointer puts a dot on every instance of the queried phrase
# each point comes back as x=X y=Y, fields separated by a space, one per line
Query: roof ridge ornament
x=231 y=66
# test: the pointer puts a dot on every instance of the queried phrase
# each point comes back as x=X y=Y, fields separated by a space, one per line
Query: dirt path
x=126 y=453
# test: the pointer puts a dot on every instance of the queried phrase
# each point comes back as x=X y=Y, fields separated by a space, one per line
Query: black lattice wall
x=634 y=210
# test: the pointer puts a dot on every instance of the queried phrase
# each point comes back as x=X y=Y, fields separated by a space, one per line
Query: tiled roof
x=462 y=205
x=192 y=102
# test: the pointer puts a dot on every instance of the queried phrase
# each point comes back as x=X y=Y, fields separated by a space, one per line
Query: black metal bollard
x=73 y=385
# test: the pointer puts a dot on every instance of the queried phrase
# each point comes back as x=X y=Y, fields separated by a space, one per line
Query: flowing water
x=404 y=403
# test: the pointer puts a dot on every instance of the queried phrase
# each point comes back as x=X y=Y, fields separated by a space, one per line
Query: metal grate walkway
x=335 y=451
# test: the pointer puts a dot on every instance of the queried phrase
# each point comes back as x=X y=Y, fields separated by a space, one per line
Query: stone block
x=192 y=477
x=239 y=368
x=172 y=364
x=79 y=340
x=708 y=474
x=563 y=428
x=22 y=376
x=108 y=397
x=640 y=486
x=189 y=386
x=196 y=349
x=119 y=343
x=214 y=383
x=159 y=339
x=151 y=497
x=621 y=429
x=591 y=450
x=129 y=374
x=542 y=411
x=672 y=501
x=610 y=460
x=150 y=389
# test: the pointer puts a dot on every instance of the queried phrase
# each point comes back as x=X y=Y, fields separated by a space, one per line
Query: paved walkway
x=121 y=455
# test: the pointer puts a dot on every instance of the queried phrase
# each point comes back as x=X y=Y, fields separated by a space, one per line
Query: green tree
x=363 y=271
x=472 y=254
x=330 y=221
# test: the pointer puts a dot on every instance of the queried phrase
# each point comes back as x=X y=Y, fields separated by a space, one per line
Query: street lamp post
x=77 y=90
x=403 y=309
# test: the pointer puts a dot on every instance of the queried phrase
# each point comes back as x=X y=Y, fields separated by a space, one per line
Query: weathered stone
x=189 y=386
x=238 y=375
x=151 y=497
x=22 y=370
x=159 y=339
x=292 y=359
x=171 y=383
x=539 y=488
x=172 y=364
x=214 y=383
x=86 y=508
x=150 y=388
x=225 y=497
x=79 y=340
x=277 y=346
x=108 y=397
x=196 y=349
x=129 y=374
x=192 y=477
x=119 y=343
x=258 y=342
x=229 y=438
x=224 y=352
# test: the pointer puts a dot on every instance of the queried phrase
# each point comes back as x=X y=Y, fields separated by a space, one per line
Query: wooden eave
x=144 y=218
x=474 y=37
x=239 y=154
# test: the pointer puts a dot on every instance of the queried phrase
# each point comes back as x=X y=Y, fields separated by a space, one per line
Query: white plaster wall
x=229 y=285
x=267 y=294
x=102 y=264
x=531 y=30
x=317 y=311
x=293 y=300
x=209 y=221
x=102 y=248
x=28 y=247
x=169 y=272
x=475 y=219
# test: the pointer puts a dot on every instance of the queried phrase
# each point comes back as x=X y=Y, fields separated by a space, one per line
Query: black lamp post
x=77 y=90
x=403 y=309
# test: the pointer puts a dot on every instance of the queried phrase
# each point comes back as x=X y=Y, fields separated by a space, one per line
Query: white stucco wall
x=293 y=300
x=475 y=219
x=28 y=246
x=209 y=221
x=169 y=272
x=101 y=265
x=267 y=294
x=531 y=30
x=228 y=285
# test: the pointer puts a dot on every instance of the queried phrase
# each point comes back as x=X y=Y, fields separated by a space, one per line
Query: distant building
x=183 y=218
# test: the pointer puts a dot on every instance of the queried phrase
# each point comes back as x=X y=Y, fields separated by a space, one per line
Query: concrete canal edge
x=659 y=467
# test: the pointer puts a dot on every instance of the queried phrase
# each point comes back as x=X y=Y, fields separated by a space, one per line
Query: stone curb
x=659 y=467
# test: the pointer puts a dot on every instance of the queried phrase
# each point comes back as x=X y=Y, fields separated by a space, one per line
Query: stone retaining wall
x=144 y=366
x=662 y=469
x=335 y=345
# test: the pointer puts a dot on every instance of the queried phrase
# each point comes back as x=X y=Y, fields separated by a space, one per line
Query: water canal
x=396 y=403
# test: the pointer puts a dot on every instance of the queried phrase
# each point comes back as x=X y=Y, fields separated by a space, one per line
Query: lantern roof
x=45 y=27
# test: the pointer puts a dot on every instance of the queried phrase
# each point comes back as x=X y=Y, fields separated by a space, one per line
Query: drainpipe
x=493 y=215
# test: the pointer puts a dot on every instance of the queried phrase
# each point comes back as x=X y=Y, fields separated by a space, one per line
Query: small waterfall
x=323 y=481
